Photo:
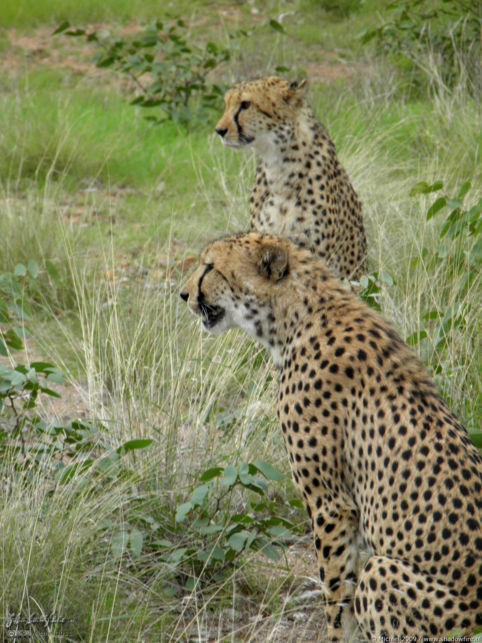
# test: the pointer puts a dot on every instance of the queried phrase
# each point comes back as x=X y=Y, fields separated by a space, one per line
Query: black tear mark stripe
x=241 y=135
x=200 y=296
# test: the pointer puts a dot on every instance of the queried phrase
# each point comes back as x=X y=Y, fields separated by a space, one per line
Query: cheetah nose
x=221 y=131
x=184 y=295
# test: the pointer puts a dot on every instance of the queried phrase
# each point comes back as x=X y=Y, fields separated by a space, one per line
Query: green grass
x=26 y=14
x=115 y=204
x=62 y=126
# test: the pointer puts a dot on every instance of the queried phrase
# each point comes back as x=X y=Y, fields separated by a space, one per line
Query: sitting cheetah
x=381 y=461
x=300 y=187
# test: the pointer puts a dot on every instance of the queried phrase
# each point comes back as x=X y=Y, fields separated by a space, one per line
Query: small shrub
x=169 y=71
x=26 y=439
x=450 y=30
x=370 y=287
x=456 y=260
x=220 y=535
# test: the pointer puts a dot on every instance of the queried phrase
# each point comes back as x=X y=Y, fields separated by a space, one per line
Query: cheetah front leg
x=335 y=528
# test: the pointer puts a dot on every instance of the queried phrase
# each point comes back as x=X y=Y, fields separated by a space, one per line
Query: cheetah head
x=259 y=112
x=234 y=284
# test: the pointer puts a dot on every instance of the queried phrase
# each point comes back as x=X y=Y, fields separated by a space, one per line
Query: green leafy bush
x=169 y=71
x=369 y=287
x=217 y=535
x=450 y=29
x=456 y=260
x=14 y=308
x=25 y=438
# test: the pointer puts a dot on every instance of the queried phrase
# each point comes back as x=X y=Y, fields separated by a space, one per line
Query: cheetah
x=300 y=188
x=382 y=464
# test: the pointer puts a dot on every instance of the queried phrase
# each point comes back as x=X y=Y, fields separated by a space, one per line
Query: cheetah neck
x=281 y=153
x=285 y=325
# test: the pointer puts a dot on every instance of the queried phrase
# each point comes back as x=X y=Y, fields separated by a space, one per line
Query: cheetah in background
x=380 y=460
x=300 y=188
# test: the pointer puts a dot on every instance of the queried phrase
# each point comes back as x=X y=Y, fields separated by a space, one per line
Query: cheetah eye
x=245 y=104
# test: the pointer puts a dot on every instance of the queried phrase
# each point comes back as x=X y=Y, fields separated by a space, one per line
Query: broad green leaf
x=49 y=391
x=268 y=470
x=21 y=332
x=106 y=61
x=249 y=480
x=20 y=270
x=296 y=502
x=474 y=211
x=178 y=554
x=464 y=189
x=386 y=278
x=33 y=268
x=210 y=529
x=267 y=549
x=56 y=375
x=61 y=28
x=12 y=340
x=119 y=543
x=41 y=367
x=218 y=553
x=279 y=532
x=230 y=476
x=364 y=281
x=134 y=444
x=238 y=540
x=242 y=518
x=454 y=203
x=274 y=24
x=424 y=188
x=162 y=542
x=109 y=463
x=136 y=540
x=436 y=207
x=432 y=314
x=16 y=379
x=183 y=510
x=476 y=437
x=209 y=474
x=212 y=48
x=213 y=553
x=190 y=583
x=4 y=314
x=199 y=494
x=416 y=338
x=53 y=272
x=32 y=375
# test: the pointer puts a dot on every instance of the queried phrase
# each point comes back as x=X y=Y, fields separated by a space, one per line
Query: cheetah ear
x=296 y=90
x=273 y=263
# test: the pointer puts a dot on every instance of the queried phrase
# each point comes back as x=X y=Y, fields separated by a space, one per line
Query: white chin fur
x=234 y=144
x=223 y=324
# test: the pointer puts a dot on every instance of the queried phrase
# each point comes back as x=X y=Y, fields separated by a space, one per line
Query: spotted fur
x=380 y=460
x=300 y=187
